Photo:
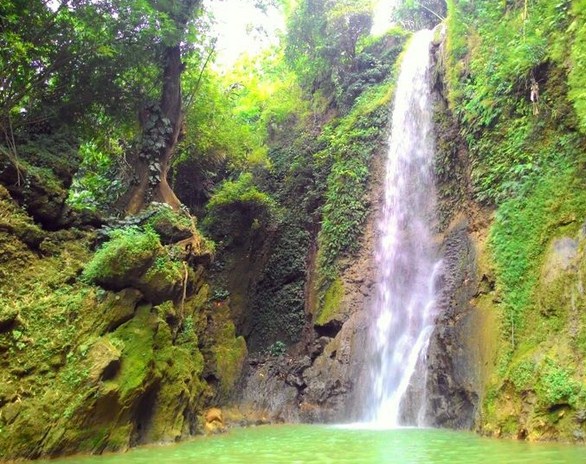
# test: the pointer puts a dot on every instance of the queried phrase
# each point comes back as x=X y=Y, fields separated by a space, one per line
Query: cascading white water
x=406 y=258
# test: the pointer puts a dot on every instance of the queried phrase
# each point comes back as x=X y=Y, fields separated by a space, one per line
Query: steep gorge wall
x=487 y=370
x=326 y=377
x=518 y=117
x=89 y=369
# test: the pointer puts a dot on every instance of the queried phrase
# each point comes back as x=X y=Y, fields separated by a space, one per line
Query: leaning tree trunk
x=161 y=127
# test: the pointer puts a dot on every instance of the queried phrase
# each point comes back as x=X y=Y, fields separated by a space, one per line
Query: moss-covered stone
x=170 y=225
x=87 y=370
x=331 y=303
x=540 y=392
x=224 y=353
x=117 y=308
x=129 y=253
x=163 y=280
x=104 y=361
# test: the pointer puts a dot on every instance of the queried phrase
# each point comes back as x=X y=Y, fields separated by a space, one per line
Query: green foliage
x=156 y=133
x=457 y=48
x=277 y=349
x=521 y=233
x=237 y=204
x=96 y=185
x=322 y=42
x=526 y=156
x=187 y=334
x=523 y=376
x=577 y=74
x=232 y=118
x=241 y=192
x=496 y=57
x=163 y=215
x=62 y=61
x=558 y=384
x=278 y=313
x=165 y=269
x=351 y=143
x=128 y=250
x=419 y=14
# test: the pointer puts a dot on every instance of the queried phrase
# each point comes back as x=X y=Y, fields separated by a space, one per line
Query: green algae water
x=295 y=444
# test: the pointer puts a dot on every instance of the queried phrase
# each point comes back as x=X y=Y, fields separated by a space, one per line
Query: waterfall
x=404 y=308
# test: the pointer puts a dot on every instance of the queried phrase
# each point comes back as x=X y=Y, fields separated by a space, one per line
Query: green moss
x=521 y=233
x=522 y=375
x=129 y=251
x=164 y=272
x=457 y=48
x=171 y=226
x=14 y=220
x=180 y=367
x=53 y=398
x=230 y=353
x=331 y=304
x=137 y=337
x=557 y=384
x=527 y=159
x=577 y=75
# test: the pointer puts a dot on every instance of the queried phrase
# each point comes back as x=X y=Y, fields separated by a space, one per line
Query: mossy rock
x=182 y=388
x=8 y=318
x=136 y=337
x=119 y=261
x=171 y=226
x=223 y=351
x=117 y=308
x=104 y=359
x=332 y=301
x=13 y=220
x=136 y=258
x=164 y=280
x=38 y=190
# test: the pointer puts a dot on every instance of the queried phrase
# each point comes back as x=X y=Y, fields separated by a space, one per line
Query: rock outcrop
x=88 y=369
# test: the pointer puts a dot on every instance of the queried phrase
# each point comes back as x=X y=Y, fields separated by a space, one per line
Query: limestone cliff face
x=322 y=378
x=84 y=369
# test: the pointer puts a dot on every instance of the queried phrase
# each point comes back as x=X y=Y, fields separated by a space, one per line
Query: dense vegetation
x=159 y=219
x=121 y=146
x=513 y=88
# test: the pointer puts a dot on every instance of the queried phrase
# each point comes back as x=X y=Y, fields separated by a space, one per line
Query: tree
x=61 y=61
x=95 y=64
x=420 y=14
x=322 y=40
x=161 y=123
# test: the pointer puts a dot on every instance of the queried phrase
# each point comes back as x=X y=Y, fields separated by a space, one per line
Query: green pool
x=329 y=444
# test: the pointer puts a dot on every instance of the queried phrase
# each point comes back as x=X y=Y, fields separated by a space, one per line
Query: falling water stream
x=406 y=259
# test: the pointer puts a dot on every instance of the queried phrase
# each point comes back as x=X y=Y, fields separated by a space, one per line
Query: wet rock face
x=324 y=377
x=338 y=376
x=453 y=378
x=560 y=258
x=317 y=388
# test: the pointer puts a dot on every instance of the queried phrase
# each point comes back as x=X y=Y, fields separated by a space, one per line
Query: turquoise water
x=294 y=444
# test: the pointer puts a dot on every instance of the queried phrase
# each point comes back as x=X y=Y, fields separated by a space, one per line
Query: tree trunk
x=148 y=189
x=151 y=184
